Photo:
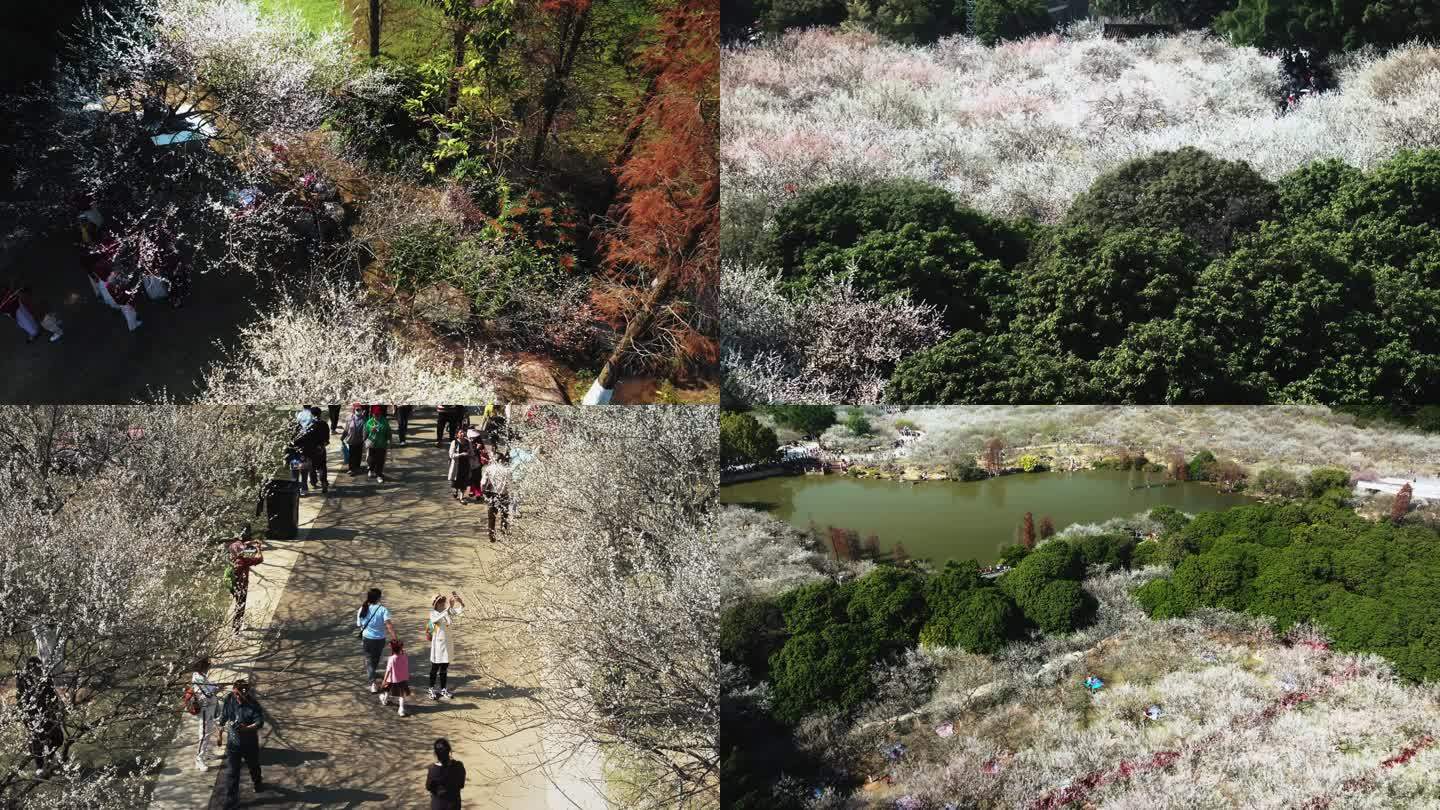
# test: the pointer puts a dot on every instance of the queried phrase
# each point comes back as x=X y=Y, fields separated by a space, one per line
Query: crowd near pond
x=944 y=520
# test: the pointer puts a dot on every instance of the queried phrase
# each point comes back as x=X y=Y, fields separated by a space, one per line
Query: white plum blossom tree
x=1022 y=128
x=614 y=557
x=330 y=343
x=830 y=345
x=113 y=519
x=177 y=116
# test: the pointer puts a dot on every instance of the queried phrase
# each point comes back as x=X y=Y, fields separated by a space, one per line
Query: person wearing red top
x=244 y=555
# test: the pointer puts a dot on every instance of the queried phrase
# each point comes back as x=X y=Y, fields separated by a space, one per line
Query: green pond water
x=942 y=520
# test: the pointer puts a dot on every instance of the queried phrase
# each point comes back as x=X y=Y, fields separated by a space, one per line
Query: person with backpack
x=244 y=555
x=373 y=619
x=397 y=676
x=437 y=632
x=355 y=439
x=377 y=438
x=42 y=711
x=445 y=779
x=200 y=701
x=244 y=715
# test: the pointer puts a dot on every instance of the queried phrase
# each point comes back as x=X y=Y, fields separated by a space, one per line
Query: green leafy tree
x=856 y=423
x=808 y=419
x=889 y=603
x=814 y=606
x=1001 y=20
x=743 y=440
x=1185 y=13
x=779 y=15
x=908 y=21
x=1161 y=600
x=1278 y=482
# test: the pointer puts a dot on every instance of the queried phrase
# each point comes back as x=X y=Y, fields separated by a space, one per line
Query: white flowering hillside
x=1023 y=128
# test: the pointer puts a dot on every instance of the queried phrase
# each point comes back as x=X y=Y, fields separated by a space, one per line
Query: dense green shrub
x=1311 y=188
x=889 y=603
x=743 y=440
x=827 y=670
x=981 y=622
x=999 y=20
x=1208 y=199
x=1201 y=465
x=1169 y=518
x=1114 y=551
x=856 y=423
x=1059 y=607
x=895 y=236
x=1322 y=479
x=1086 y=287
x=1323 y=289
x=751 y=631
x=1278 y=482
x=814 y=606
x=1370 y=585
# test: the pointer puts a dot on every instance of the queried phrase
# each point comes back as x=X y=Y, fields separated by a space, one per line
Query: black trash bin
x=280 y=498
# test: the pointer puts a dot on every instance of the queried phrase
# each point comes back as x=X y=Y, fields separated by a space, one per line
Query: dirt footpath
x=330 y=742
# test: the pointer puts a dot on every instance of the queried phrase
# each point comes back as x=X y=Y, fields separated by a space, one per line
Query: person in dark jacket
x=316 y=451
x=447 y=418
x=402 y=419
x=445 y=778
x=244 y=715
x=355 y=438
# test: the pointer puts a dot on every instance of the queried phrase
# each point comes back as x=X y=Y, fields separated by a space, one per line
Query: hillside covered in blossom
x=1067 y=217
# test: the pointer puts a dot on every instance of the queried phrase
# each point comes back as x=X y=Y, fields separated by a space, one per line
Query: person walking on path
x=297 y=453
x=355 y=439
x=496 y=484
x=41 y=710
x=377 y=438
x=459 y=474
x=397 y=676
x=402 y=420
x=203 y=692
x=320 y=439
x=445 y=779
x=437 y=632
x=244 y=715
x=478 y=460
x=447 y=419
x=373 y=619
x=244 y=555
x=334 y=418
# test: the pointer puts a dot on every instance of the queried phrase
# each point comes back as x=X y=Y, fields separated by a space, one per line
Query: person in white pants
x=205 y=692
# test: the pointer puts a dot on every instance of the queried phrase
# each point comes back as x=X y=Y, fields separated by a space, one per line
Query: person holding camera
x=244 y=715
x=245 y=554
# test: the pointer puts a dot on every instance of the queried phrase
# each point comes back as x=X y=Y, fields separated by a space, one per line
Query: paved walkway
x=330 y=743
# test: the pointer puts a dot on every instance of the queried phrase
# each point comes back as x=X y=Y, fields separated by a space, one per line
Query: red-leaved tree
x=662 y=269
x=1027 y=531
x=1047 y=527
x=1401 y=505
x=994 y=456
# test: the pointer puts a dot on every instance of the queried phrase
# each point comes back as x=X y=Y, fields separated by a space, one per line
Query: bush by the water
x=1371 y=585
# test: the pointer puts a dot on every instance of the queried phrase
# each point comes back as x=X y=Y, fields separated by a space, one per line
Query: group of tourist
x=147 y=264
x=479 y=467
